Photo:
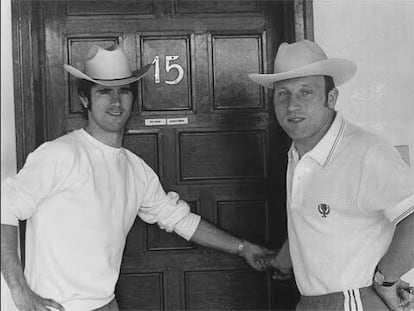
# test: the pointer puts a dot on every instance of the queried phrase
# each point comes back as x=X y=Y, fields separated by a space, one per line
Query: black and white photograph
x=207 y=155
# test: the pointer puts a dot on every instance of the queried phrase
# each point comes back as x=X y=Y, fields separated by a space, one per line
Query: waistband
x=351 y=298
x=87 y=304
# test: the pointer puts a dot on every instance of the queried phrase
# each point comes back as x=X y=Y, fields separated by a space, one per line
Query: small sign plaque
x=152 y=122
x=176 y=121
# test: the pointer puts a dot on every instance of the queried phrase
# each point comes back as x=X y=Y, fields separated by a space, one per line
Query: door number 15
x=168 y=67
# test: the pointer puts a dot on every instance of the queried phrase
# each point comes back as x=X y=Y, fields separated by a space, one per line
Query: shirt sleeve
x=387 y=184
x=167 y=210
x=44 y=170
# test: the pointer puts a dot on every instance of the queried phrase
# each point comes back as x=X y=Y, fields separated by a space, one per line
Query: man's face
x=110 y=107
x=302 y=109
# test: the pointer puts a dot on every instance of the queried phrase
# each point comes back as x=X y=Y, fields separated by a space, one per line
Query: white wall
x=379 y=36
x=8 y=138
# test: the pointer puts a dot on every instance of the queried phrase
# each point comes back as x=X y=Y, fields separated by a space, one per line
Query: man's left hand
x=398 y=297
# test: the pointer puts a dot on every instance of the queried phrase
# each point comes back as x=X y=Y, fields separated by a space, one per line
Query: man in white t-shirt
x=80 y=195
x=350 y=196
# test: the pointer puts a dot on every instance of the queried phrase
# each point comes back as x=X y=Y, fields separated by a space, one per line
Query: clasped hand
x=262 y=259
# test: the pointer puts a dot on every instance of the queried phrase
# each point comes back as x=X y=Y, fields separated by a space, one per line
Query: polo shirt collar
x=325 y=148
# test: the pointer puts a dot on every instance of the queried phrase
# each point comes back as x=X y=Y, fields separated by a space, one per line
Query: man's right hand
x=282 y=264
x=11 y=269
x=282 y=271
x=27 y=300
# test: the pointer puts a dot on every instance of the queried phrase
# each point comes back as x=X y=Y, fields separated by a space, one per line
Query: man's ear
x=84 y=101
x=332 y=97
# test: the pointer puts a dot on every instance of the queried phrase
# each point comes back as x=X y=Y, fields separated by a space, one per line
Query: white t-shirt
x=80 y=198
x=344 y=198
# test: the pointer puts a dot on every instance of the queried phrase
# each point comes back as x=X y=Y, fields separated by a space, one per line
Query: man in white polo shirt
x=350 y=196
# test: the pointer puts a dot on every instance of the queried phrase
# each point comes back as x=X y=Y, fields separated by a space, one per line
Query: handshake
x=263 y=259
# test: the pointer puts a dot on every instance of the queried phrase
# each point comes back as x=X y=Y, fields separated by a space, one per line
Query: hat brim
x=136 y=75
x=341 y=70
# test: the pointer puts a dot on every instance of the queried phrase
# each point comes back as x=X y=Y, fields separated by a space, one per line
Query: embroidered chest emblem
x=324 y=210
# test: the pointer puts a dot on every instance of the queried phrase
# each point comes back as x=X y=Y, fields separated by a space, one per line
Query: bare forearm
x=210 y=236
x=399 y=258
x=24 y=298
x=11 y=267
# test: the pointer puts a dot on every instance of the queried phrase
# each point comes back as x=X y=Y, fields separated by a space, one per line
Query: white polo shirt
x=344 y=198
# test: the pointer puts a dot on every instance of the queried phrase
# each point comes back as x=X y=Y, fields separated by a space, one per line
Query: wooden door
x=201 y=124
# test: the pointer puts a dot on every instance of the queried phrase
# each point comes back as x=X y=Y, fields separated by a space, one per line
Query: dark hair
x=84 y=90
x=85 y=86
x=329 y=85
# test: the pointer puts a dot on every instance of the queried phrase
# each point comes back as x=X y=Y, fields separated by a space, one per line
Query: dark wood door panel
x=226 y=290
x=233 y=57
x=144 y=8
x=147 y=145
x=215 y=6
x=140 y=291
x=168 y=86
x=248 y=219
x=152 y=8
x=214 y=156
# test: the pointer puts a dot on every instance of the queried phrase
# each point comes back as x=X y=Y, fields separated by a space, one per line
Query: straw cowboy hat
x=108 y=67
x=305 y=58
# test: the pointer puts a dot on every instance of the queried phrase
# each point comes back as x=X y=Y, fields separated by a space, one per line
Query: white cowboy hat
x=108 y=67
x=305 y=58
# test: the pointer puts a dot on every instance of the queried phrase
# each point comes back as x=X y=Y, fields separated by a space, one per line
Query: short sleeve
x=45 y=168
x=387 y=184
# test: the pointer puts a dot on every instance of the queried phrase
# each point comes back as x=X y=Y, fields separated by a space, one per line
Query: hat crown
x=296 y=55
x=103 y=64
